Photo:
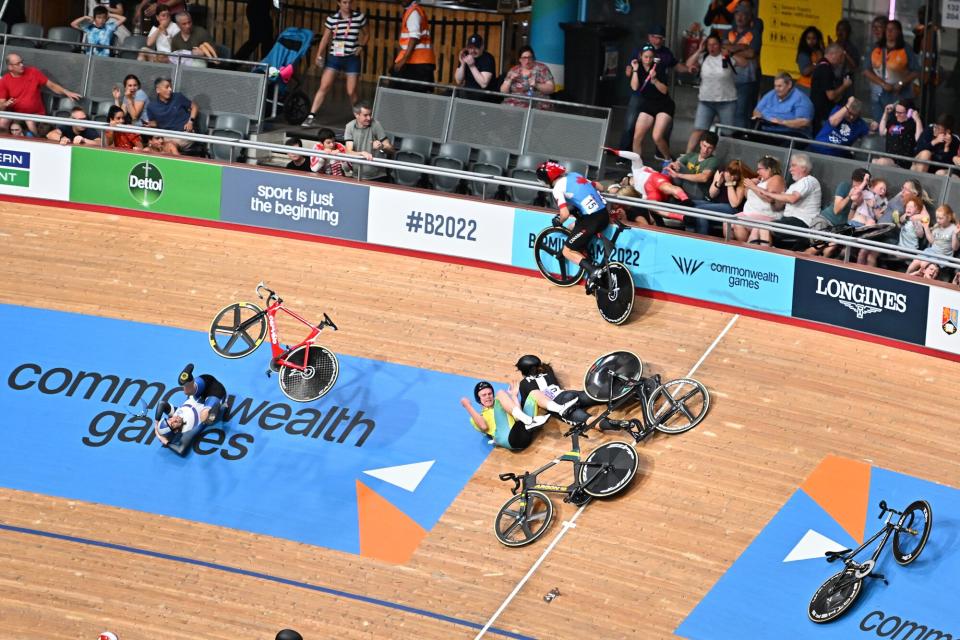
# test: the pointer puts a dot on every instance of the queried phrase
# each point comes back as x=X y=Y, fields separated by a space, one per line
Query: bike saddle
x=835 y=555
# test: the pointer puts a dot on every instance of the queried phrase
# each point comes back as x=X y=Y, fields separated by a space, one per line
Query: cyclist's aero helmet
x=480 y=386
x=528 y=364
x=549 y=171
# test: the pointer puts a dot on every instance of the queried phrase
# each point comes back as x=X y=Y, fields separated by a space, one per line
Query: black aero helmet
x=480 y=386
x=289 y=634
x=528 y=364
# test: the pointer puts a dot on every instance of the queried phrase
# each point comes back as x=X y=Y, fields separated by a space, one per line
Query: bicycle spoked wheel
x=909 y=541
x=547 y=251
x=317 y=377
x=521 y=520
x=238 y=330
x=834 y=597
x=617 y=465
x=615 y=294
x=678 y=405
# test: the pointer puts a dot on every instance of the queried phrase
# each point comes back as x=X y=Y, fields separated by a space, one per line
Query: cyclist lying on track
x=206 y=401
x=578 y=196
x=501 y=417
x=540 y=383
x=653 y=185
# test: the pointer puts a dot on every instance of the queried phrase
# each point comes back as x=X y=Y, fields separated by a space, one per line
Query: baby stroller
x=291 y=47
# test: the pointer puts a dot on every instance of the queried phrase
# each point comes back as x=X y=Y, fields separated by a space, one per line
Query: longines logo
x=687 y=266
x=861 y=299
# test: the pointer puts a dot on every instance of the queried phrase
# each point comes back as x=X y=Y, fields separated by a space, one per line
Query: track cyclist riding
x=578 y=196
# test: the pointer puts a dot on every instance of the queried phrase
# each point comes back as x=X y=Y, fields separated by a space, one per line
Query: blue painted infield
x=761 y=596
x=277 y=467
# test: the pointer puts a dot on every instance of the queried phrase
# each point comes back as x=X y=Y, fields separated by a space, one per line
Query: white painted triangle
x=813 y=545
x=405 y=476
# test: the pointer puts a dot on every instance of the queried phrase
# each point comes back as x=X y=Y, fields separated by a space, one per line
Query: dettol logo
x=146 y=183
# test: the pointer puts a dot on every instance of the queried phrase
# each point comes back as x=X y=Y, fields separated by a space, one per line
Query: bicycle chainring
x=863 y=570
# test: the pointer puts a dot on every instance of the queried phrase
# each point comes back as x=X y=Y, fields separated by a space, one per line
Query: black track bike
x=615 y=379
x=910 y=533
x=614 y=291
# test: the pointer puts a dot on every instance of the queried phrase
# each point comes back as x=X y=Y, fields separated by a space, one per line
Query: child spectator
x=297 y=162
x=873 y=206
x=942 y=237
x=98 y=29
x=328 y=144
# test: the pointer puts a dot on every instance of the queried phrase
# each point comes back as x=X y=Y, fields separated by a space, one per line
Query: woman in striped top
x=344 y=33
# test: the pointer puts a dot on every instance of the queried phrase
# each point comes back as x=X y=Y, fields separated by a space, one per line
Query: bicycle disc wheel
x=619 y=462
x=521 y=521
x=238 y=330
x=615 y=294
x=834 y=597
x=596 y=381
x=918 y=517
x=678 y=405
x=547 y=251
x=315 y=380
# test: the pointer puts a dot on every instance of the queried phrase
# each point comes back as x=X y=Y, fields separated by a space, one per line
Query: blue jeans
x=746 y=101
x=702 y=225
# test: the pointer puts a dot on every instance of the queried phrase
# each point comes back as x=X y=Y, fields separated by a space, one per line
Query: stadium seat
x=68 y=39
x=526 y=169
x=224 y=152
x=232 y=121
x=65 y=104
x=491 y=162
x=28 y=30
x=132 y=46
x=452 y=155
x=415 y=150
x=577 y=166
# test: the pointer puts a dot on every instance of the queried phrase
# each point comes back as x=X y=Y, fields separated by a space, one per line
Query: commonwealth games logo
x=146 y=183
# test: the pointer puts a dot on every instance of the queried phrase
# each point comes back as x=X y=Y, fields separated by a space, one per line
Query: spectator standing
x=809 y=53
x=477 y=67
x=666 y=62
x=172 y=111
x=649 y=80
x=892 y=69
x=529 y=78
x=191 y=40
x=98 y=30
x=121 y=139
x=785 y=109
x=20 y=90
x=160 y=38
x=937 y=143
x=693 y=171
x=75 y=134
x=260 y=26
x=718 y=89
x=720 y=12
x=743 y=46
x=364 y=136
x=132 y=100
x=901 y=131
x=415 y=57
x=851 y=54
x=297 y=162
x=843 y=127
x=344 y=34
x=827 y=90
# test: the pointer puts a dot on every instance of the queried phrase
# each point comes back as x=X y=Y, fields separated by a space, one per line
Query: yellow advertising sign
x=784 y=21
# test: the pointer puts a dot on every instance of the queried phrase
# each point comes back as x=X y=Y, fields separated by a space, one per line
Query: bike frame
x=885 y=532
x=529 y=479
x=271 y=312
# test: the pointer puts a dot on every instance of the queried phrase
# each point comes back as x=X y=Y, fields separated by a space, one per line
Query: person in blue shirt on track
x=580 y=197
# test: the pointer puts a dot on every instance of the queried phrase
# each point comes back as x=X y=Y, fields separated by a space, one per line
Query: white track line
x=570 y=525
x=713 y=346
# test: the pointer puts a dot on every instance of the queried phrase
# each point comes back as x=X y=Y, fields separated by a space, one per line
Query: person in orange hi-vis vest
x=415 y=59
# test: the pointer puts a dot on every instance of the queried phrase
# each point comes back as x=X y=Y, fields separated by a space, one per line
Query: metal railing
x=94 y=76
x=393 y=165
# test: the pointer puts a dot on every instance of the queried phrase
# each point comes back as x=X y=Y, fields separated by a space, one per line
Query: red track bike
x=307 y=371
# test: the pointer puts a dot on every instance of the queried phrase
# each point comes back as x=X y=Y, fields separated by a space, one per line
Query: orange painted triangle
x=842 y=487
x=386 y=533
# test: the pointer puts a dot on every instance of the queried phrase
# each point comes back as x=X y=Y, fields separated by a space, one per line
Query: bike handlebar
x=327 y=322
x=506 y=477
x=271 y=294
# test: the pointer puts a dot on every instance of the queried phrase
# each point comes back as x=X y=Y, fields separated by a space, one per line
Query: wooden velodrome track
x=633 y=567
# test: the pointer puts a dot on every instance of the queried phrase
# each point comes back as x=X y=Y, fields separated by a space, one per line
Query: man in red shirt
x=20 y=90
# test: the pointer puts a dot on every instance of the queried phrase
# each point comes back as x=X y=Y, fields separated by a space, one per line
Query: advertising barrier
x=34 y=169
x=943 y=309
x=686 y=266
x=437 y=224
x=294 y=202
x=145 y=183
x=859 y=300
